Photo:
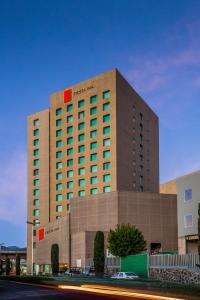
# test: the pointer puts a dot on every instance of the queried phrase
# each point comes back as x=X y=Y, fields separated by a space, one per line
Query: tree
x=99 y=257
x=126 y=240
x=1 y=266
x=8 y=266
x=55 y=259
x=18 y=270
x=199 y=232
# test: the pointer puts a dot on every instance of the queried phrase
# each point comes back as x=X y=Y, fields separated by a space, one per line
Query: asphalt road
x=12 y=291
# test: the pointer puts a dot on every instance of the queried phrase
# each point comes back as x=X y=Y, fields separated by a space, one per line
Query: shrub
x=99 y=257
x=55 y=259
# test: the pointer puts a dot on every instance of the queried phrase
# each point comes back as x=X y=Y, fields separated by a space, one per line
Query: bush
x=26 y=278
x=55 y=259
x=99 y=257
x=8 y=266
x=18 y=270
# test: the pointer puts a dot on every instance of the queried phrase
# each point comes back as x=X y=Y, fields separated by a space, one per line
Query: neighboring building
x=97 y=137
x=11 y=252
x=187 y=189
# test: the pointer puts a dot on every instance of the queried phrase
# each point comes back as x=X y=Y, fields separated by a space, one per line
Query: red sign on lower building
x=67 y=96
x=40 y=234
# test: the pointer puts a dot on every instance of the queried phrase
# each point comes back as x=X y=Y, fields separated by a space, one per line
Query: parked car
x=89 y=272
x=125 y=275
x=73 y=272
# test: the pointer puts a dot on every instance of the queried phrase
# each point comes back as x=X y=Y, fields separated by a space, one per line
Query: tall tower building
x=98 y=136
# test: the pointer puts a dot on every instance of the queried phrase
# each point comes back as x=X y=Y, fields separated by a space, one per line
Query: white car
x=125 y=275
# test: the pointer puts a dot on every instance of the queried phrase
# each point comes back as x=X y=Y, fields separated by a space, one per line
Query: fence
x=111 y=263
x=189 y=261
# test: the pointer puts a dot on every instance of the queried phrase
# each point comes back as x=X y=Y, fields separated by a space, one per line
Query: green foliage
x=99 y=257
x=18 y=270
x=26 y=278
x=8 y=266
x=55 y=259
x=199 y=229
x=126 y=240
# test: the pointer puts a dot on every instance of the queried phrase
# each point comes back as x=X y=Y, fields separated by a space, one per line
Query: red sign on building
x=67 y=96
x=40 y=234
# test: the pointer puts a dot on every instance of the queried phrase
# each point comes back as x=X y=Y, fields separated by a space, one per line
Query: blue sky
x=48 y=45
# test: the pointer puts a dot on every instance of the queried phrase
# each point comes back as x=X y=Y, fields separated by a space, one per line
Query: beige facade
x=97 y=137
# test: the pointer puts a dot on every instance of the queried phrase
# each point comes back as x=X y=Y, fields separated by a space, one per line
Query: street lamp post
x=32 y=224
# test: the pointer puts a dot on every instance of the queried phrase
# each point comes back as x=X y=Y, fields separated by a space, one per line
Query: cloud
x=13 y=188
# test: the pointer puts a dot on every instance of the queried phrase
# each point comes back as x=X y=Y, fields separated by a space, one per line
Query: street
x=12 y=291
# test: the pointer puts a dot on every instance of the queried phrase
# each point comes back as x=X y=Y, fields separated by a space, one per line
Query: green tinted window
x=36 y=132
x=106 y=177
x=59 y=133
x=106 y=166
x=106 y=94
x=70 y=162
x=93 y=168
x=70 y=173
x=93 y=156
x=81 y=126
x=58 y=176
x=93 y=180
x=36 y=152
x=81 y=137
x=58 y=122
x=58 y=165
x=36 y=212
x=36 y=182
x=70 y=151
x=81 y=159
x=59 y=208
x=106 y=106
x=70 y=129
x=70 y=195
x=93 y=110
x=81 y=193
x=36 y=162
x=106 y=189
x=81 y=182
x=58 y=111
x=69 y=107
x=58 y=154
x=68 y=205
x=106 y=130
x=93 y=133
x=70 y=119
x=93 y=99
x=81 y=103
x=81 y=148
x=36 y=202
x=93 y=145
x=93 y=191
x=70 y=140
x=59 y=186
x=81 y=171
x=106 y=118
x=59 y=197
x=81 y=115
x=36 y=142
x=36 y=172
x=93 y=122
x=36 y=192
x=106 y=154
x=106 y=142
x=70 y=184
x=36 y=122
x=58 y=144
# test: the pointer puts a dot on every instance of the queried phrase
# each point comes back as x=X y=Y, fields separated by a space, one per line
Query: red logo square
x=40 y=234
x=67 y=96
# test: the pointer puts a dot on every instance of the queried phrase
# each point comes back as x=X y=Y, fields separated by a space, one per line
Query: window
x=81 y=103
x=36 y=212
x=58 y=176
x=36 y=222
x=188 y=195
x=59 y=197
x=141 y=168
x=58 y=144
x=70 y=173
x=93 y=169
x=36 y=152
x=36 y=172
x=69 y=107
x=93 y=122
x=58 y=154
x=34 y=232
x=68 y=206
x=106 y=142
x=36 y=202
x=81 y=193
x=36 y=162
x=93 y=133
x=70 y=184
x=93 y=111
x=93 y=99
x=93 y=180
x=59 y=165
x=141 y=148
x=70 y=162
x=70 y=129
x=106 y=94
x=58 y=111
x=81 y=137
x=36 y=182
x=106 y=166
x=58 y=122
x=58 y=217
x=81 y=160
x=106 y=130
x=188 y=220
x=93 y=145
x=81 y=115
x=36 y=142
x=93 y=191
x=106 y=177
x=106 y=118
x=70 y=140
x=141 y=157
x=93 y=156
x=106 y=106
x=141 y=138
x=141 y=127
x=36 y=192
x=70 y=151
x=106 y=189
x=81 y=171
x=81 y=126
x=141 y=188
x=59 y=133
x=70 y=195
x=58 y=186
x=141 y=179
x=58 y=208
x=36 y=122
x=106 y=154
x=81 y=182
x=141 y=116
x=36 y=132
x=81 y=148
x=70 y=119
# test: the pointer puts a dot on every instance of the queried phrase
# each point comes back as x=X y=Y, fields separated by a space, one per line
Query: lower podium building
x=154 y=214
